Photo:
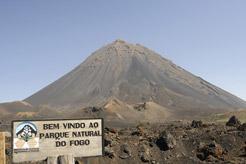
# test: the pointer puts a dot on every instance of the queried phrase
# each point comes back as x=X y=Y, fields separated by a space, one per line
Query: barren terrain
x=173 y=142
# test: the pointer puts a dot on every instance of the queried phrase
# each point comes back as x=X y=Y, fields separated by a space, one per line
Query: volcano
x=132 y=73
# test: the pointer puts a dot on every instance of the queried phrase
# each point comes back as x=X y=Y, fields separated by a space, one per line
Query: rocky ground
x=173 y=142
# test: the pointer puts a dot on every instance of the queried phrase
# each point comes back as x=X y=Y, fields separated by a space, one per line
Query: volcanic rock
x=140 y=107
x=233 y=121
x=196 y=124
x=125 y=151
x=144 y=153
x=212 y=149
x=166 y=141
x=109 y=152
x=244 y=148
x=107 y=141
x=242 y=127
x=8 y=152
x=111 y=130
x=227 y=142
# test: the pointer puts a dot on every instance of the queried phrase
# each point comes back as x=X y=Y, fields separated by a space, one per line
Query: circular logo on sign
x=26 y=131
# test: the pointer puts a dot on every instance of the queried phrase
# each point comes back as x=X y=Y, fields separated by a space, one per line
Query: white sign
x=38 y=139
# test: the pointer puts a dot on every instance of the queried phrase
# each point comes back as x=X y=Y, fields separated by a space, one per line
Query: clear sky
x=42 y=40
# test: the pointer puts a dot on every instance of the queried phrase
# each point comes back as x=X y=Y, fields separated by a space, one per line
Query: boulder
x=242 y=127
x=138 y=132
x=109 y=152
x=144 y=153
x=111 y=130
x=140 y=107
x=233 y=121
x=107 y=141
x=8 y=152
x=196 y=124
x=125 y=151
x=166 y=141
x=244 y=148
x=228 y=142
x=212 y=149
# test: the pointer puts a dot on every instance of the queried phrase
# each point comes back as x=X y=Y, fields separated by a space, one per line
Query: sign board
x=35 y=140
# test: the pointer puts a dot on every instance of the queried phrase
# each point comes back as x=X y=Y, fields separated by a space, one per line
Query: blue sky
x=42 y=40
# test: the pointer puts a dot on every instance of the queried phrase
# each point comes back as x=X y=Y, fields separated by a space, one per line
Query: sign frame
x=58 y=119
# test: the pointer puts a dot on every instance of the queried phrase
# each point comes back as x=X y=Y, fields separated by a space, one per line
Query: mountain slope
x=133 y=74
x=14 y=107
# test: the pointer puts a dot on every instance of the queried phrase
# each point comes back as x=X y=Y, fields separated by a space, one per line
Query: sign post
x=52 y=160
x=35 y=140
x=68 y=159
x=2 y=148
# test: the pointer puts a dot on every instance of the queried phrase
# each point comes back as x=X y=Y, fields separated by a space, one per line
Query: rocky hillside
x=174 y=142
x=117 y=112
